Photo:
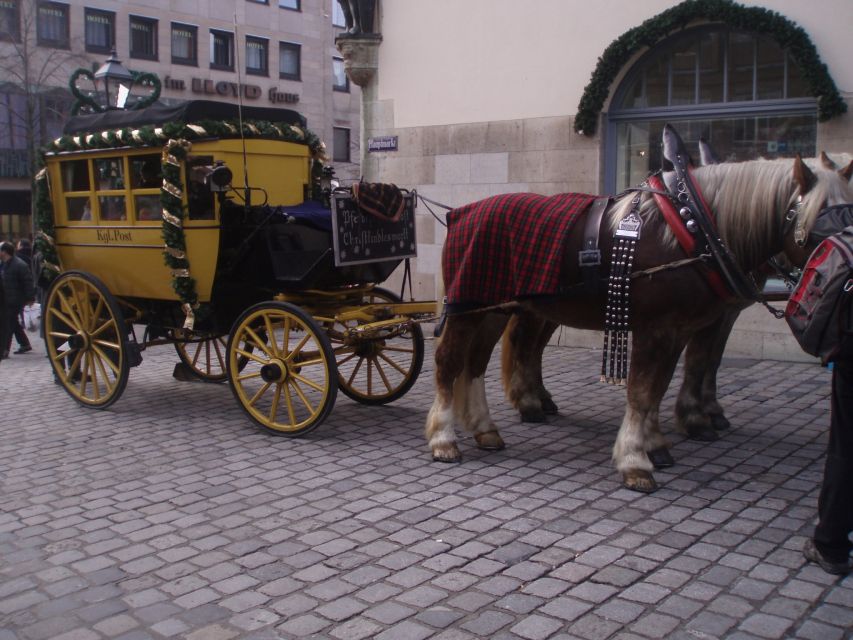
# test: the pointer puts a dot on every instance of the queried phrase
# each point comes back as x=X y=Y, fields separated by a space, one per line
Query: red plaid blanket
x=507 y=246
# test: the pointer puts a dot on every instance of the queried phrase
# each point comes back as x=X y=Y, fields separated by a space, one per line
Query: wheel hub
x=274 y=371
x=79 y=341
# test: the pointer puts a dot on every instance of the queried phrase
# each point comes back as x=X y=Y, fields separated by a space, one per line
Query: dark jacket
x=17 y=283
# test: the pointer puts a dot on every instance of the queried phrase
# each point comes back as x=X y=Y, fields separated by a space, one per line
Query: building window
x=257 y=56
x=338 y=19
x=10 y=21
x=340 y=81
x=260 y=1
x=184 y=44
x=221 y=50
x=340 y=144
x=289 y=4
x=100 y=31
x=289 y=61
x=52 y=25
x=143 y=38
x=738 y=90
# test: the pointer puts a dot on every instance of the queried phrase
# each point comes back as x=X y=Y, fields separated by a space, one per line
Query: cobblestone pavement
x=171 y=516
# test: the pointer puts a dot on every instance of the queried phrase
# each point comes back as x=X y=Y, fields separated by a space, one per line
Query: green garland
x=175 y=141
x=787 y=35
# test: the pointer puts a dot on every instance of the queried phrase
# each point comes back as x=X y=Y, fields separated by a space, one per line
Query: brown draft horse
x=750 y=201
x=697 y=411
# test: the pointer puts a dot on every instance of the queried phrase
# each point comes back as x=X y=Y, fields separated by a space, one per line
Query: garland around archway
x=787 y=35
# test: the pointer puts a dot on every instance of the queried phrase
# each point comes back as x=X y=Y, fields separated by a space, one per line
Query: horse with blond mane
x=759 y=207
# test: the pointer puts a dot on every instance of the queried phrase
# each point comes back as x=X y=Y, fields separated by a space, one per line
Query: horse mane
x=749 y=201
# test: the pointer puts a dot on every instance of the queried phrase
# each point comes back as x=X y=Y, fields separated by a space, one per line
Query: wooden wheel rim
x=377 y=371
x=84 y=336
x=281 y=369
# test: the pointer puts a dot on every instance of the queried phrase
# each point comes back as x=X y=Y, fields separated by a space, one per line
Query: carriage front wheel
x=373 y=370
x=281 y=368
x=86 y=339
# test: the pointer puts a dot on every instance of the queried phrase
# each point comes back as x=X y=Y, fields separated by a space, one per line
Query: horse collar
x=694 y=217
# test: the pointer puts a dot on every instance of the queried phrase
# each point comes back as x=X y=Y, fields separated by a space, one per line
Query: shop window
x=52 y=25
x=289 y=61
x=740 y=91
x=184 y=44
x=340 y=81
x=340 y=144
x=143 y=38
x=100 y=30
x=257 y=56
x=221 y=50
x=10 y=21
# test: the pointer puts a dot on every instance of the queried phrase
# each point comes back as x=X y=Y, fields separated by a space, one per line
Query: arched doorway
x=739 y=90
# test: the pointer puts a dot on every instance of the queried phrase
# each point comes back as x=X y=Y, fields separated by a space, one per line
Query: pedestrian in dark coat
x=18 y=290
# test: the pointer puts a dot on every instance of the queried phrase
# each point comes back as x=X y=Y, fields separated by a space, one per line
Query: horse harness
x=688 y=215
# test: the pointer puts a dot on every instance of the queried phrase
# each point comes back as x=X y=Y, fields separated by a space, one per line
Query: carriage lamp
x=115 y=81
x=220 y=177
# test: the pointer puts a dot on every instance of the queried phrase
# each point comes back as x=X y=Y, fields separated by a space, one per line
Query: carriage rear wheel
x=281 y=368
x=377 y=371
x=86 y=339
x=205 y=358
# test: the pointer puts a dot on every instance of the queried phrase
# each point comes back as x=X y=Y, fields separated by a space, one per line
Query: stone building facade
x=481 y=98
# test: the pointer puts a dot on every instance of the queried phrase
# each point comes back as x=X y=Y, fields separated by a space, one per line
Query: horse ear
x=803 y=176
x=827 y=162
x=673 y=145
x=706 y=153
x=847 y=171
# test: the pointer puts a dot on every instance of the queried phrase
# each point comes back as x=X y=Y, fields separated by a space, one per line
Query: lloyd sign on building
x=494 y=96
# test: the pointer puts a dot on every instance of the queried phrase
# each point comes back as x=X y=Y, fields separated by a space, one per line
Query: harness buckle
x=589 y=258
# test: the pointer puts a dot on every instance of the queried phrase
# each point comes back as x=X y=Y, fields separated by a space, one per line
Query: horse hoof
x=446 y=453
x=639 y=480
x=549 y=407
x=533 y=415
x=703 y=434
x=490 y=441
x=661 y=458
x=719 y=422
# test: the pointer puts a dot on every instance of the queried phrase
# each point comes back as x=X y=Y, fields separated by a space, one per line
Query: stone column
x=361 y=61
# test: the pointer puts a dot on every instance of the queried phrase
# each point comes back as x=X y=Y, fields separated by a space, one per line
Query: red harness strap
x=686 y=240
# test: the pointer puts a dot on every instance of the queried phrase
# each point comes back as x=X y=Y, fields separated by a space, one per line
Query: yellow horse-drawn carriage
x=196 y=225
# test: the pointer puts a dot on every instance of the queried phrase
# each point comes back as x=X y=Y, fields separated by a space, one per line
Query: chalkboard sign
x=359 y=238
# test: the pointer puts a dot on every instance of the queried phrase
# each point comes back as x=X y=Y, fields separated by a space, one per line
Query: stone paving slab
x=170 y=516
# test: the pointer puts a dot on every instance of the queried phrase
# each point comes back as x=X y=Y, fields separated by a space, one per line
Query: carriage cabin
x=107 y=210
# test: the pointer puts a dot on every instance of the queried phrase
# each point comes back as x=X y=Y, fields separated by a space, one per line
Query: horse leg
x=524 y=342
x=470 y=391
x=657 y=448
x=653 y=360
x=450 y=354
x=697 y=403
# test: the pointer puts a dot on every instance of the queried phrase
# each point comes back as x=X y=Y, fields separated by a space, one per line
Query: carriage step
x=134 y=354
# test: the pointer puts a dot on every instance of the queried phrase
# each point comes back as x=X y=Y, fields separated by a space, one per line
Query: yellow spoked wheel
x=86 y=339
x=377 y=370
x=205 y=358
x=281 y=368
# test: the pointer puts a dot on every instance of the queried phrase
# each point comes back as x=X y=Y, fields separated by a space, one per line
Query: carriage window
x=710 y=83
x=146 y=174
x=75 y=175
x=112 y=208
x=78 y=208
x=199 y=196
x=109 y=174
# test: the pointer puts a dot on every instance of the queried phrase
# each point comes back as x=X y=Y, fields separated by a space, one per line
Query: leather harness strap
x=685 y=238
x=589 y=257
